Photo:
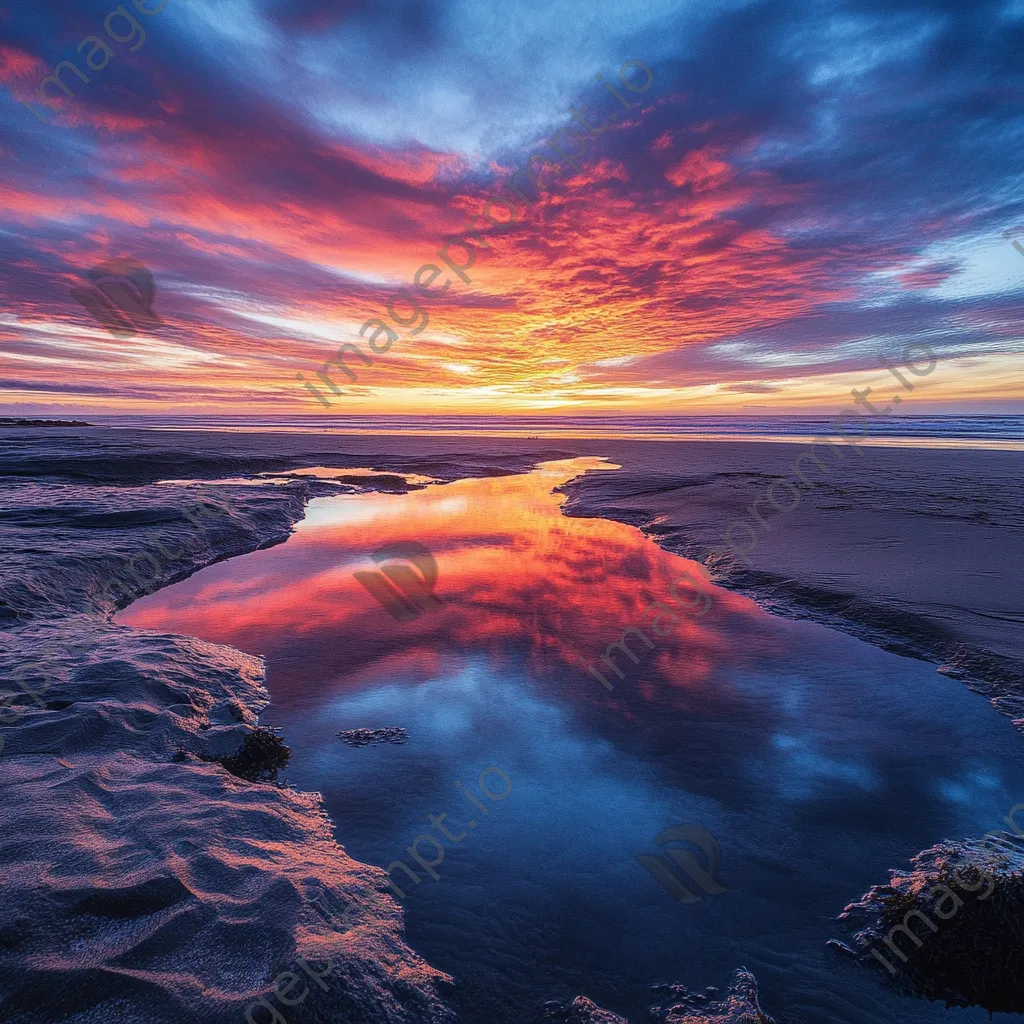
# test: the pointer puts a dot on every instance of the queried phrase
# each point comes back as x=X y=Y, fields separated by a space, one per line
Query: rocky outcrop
x=952 y=928
x=580 y=1011
x=738 y=1006
x=678 y=1005
x=364 y=737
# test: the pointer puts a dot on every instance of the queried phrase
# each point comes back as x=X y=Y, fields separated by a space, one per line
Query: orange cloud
x=702 y=170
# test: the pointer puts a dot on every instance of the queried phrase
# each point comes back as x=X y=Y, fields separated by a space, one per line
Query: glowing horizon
x=723 y=244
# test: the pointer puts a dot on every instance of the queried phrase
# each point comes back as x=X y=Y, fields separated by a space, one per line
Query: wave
x=981 y=431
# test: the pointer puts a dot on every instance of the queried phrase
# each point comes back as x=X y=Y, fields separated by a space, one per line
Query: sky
x=789 y=194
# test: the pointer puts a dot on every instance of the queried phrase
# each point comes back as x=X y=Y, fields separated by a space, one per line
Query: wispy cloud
x=804 y=190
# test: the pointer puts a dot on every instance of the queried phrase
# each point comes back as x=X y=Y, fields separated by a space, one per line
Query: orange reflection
x=528 y=587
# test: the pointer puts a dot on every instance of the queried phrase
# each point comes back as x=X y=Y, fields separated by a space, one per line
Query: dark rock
x=951 y=929
x=580 y=1011
x=739 y=1006
x=678 y=1006
x=363 y=737
x=258 y=759
x=18 y=421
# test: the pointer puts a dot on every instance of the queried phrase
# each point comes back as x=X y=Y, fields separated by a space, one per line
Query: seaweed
x=260 y=757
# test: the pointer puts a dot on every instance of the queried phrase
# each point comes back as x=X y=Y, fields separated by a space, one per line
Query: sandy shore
x=207 y=878
x=912 y=549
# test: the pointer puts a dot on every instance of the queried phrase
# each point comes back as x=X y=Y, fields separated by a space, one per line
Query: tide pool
x=816 y=761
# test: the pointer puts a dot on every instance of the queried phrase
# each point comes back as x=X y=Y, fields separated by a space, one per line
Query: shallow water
x=816 y=761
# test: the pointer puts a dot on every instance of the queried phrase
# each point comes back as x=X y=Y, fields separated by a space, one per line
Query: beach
x=511 y=514
x=802 y=718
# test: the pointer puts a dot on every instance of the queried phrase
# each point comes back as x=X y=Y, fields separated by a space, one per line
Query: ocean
x=1006 y=432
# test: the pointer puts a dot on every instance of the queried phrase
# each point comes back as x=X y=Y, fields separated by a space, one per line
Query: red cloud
x=702 y=170
x=16 y=64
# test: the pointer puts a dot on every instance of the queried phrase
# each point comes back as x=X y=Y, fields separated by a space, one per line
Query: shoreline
x=678 y=496
x=908 y=441
x=834 y=559
x=202 y=671
x=444 y=430
x=191 y=847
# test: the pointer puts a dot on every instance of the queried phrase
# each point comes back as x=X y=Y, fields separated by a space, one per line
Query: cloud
x=751 y=389
x=801 y=190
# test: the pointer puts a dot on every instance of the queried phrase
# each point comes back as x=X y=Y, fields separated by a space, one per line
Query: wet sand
x=814 y=759
x=883 y=575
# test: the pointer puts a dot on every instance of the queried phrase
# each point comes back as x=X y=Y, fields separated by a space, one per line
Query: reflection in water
x=815 y=761
x=349 y=473
x=514 y=574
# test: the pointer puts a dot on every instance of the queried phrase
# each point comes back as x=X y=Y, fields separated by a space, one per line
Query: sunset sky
x=804 y=189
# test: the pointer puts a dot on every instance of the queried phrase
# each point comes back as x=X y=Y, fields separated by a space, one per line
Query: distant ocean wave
x=956 y=431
